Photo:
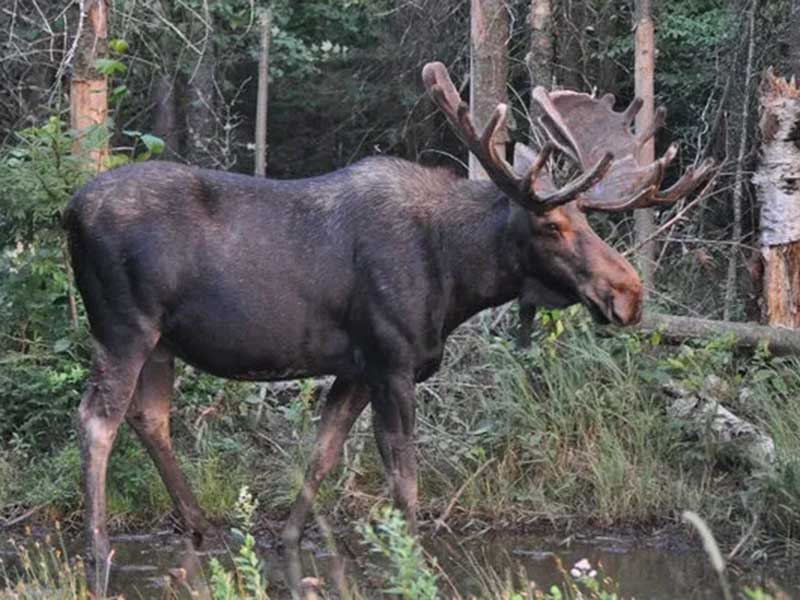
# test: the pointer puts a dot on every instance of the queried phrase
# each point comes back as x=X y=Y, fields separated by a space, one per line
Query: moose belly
x=266 y=345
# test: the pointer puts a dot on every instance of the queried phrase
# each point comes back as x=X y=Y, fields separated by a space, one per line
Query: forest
x=565 y=448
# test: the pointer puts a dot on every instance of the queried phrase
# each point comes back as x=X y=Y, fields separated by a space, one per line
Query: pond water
x=649 y=569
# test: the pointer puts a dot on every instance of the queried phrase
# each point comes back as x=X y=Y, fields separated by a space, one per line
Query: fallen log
x=779 y=340
x=702 y=413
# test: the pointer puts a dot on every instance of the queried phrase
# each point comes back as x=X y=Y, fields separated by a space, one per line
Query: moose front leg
x=346 y=400
x=394 y=422
x=527 y=313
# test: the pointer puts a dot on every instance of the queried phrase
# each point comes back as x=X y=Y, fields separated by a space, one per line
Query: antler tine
x=541 y=161
x=440 y=87
x=659 y=119
x=633 y=109
x=557 y=130
x=435 y=76
x=608 y=99
x=689 y=181
x=488 y=147
x=639 y=200
x=576 y=187
x=652 y=197
x=644 y=192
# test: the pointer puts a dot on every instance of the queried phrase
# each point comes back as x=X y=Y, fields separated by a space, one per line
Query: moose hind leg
x=102 y=409
x=394 y=423
x=148 y=415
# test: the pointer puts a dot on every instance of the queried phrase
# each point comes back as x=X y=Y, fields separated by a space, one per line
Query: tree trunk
x=165 y=118
x=488 y=69
x=542 y=53
x=201 y=109
x=89 y=88
x=777 y=182
x=571 y=28
x=262 y=98
x=738 y=184
x=644 y=89
x=793 y=39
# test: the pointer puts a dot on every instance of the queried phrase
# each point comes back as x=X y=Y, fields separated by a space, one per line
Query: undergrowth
x=572 y=431
x=575 y=430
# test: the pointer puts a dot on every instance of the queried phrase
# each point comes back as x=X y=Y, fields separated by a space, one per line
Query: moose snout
x=626 y=304
x=615 y=293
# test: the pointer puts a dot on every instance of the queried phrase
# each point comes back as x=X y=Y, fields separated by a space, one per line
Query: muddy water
x=145 y=564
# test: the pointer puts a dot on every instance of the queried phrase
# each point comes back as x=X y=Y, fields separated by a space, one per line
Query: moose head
x=566 y=261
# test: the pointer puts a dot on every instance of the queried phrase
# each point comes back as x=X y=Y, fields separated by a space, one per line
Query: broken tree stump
x=777 y=182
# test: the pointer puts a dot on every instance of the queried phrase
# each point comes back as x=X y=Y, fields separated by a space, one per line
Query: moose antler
x=585 y=127
x=538 y=196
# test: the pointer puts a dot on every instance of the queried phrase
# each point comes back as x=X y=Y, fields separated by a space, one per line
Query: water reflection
x=145 y=565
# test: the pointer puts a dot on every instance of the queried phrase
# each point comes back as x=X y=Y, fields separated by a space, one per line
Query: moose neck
x=484 y=250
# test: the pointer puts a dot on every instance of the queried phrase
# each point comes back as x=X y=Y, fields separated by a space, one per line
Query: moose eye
x=552 y=228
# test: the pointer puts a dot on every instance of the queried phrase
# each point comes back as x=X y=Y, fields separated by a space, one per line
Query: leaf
x=118 y=45
x=62 y=345
x=119 y=92
x=155 y=145
x=110 y=66
x=117 y=160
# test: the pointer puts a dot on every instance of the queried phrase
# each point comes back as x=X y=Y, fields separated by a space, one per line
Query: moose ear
x=523 y=159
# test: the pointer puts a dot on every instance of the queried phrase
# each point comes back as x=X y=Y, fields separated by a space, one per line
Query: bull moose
x=361 y=274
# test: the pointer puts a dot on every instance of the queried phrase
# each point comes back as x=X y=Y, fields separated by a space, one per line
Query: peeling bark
x=777 y=182
x=88 y=88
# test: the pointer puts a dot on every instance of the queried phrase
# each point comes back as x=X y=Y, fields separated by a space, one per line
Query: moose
x=360 y=274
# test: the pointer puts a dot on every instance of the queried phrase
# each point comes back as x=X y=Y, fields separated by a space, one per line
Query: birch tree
x=644 y=89
x=778 y=192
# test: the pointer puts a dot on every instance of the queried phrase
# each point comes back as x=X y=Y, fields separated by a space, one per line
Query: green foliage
x=40 y=352
x=409 y=575
x=245 y=509
x=110 y=66
x=247 y=580
x=38 y=174
x=118 y=46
